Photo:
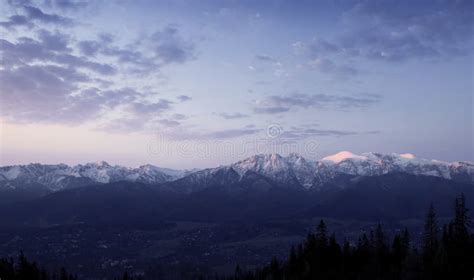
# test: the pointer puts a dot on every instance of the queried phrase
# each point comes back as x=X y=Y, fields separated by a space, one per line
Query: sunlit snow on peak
x=407 y=156
x=341 y=156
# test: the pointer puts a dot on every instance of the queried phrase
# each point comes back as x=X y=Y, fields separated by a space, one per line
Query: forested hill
x=446 y=252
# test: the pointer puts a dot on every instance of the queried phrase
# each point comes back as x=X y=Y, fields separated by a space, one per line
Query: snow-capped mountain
x=61 y=176
x=273 y=166
x=372 y=164
x=294 y=170
x=289 y=171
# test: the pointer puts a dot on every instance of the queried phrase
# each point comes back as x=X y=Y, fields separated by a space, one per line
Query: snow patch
x=407 y=156
x=344 y=155
x=12 y=173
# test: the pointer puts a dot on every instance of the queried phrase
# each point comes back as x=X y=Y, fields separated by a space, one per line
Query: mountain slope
x=393 y=196
x=251 y=197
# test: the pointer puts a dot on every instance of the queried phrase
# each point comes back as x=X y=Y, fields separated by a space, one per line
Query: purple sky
x=200 y=83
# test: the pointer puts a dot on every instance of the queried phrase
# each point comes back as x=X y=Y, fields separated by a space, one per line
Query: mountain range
x=261 y=187
x=292 y=170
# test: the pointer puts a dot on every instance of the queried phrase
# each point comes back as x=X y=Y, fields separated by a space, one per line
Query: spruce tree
x=321 y=234
x=459 y=249
x=430 y=238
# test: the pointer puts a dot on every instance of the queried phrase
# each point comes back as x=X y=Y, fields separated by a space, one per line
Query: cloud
x=89 y=48
x=309 y=131
x=300 y=133
x=315 y=48
x=34 y=14
x=148 y=54
x=48 y=76
x=123 y=125
x=279 y=104
x=130 y=57
x=318 y=52
x=173 y=120
x=183 y=98
x=328 y=66
x=16 y=20
x=67 y=4
x=270 y=109
x=37 y=93
x=179 y=117
x=37 y=14
x=83 y=62
x=170 y=47
x=50 y=48
x=265 y=58
x=51 y=94
x=32 y=93
x=55 y=42
x=150 y=108
x=169 y=123
x=231 y=116
x=179 y=134
x=231 y=133
x=291 y=134
x=395 y=31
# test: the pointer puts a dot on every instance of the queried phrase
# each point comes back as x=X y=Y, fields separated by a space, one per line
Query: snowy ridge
x=292 y=170
x=310 y=174
x=61 y=176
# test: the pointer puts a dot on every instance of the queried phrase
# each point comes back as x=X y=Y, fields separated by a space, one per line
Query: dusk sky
x=187 y=84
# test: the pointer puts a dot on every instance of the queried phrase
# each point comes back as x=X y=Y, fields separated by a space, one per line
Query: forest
x=446 y=252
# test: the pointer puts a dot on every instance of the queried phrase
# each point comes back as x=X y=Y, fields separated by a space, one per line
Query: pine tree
x=63 y=274
x=397 y=255
x=27 y=270
x=321 y=235
x=430 y=238
x=459 y=246
x=461 y=220
x=406 y=242
x=380 y=240
x=292 y=266
x=381 y=251
x=275 y=270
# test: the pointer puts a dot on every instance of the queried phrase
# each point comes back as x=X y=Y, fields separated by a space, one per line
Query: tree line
x=446 y=252
x=23 y=269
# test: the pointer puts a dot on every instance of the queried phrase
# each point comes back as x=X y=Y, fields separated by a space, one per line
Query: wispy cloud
x=51 y=48
x=183 y=98
x=265 y=58
x=283 y=103
x=310 y=131
x=32 y=15
x=148 y=54
x=231 y=133
x=396 y=31
x=328 y=66
x=302 y=133
x=231 y=116
x=67 y=4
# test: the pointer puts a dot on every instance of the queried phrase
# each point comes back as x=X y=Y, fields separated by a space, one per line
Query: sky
x=186 y=84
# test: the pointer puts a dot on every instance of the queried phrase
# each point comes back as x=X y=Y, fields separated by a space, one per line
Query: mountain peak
x=102 y=163
x=147 y=166
x=341 y=156
x=295 y=155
